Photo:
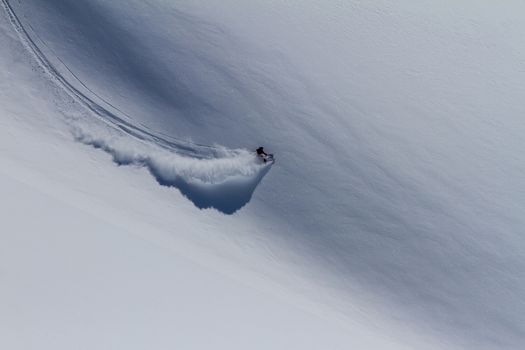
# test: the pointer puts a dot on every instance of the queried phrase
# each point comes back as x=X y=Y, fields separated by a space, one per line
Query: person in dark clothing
x=261 y=153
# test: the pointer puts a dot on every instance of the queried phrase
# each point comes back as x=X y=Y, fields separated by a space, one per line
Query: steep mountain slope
x=99 y=256
x=398 y=186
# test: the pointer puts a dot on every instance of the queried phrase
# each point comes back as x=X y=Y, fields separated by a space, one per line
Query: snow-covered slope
x=99 y=256
x=395 y=206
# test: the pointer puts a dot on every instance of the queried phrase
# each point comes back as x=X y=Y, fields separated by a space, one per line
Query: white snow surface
x=135 y=215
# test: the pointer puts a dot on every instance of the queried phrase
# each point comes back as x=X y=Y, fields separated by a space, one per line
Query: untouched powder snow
x=395 y=211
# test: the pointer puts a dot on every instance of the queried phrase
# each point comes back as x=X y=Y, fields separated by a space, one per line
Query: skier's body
x=261 y=153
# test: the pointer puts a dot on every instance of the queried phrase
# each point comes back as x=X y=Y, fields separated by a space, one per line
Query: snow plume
x=225 y=181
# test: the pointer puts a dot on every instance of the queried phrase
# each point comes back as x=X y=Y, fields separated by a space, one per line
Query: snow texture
x=224 y=182
x=396 y=205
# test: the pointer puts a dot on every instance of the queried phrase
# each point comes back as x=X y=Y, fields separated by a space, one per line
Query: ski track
x=210 y=176
x=110 y=118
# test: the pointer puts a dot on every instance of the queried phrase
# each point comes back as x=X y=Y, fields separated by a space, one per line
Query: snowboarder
x=260 y=151
x=264 y=156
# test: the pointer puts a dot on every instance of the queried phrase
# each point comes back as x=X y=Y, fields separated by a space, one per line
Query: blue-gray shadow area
x=226 y=197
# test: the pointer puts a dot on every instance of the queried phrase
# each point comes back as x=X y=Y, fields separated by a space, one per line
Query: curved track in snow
x=210 y=176
x=116 y=118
